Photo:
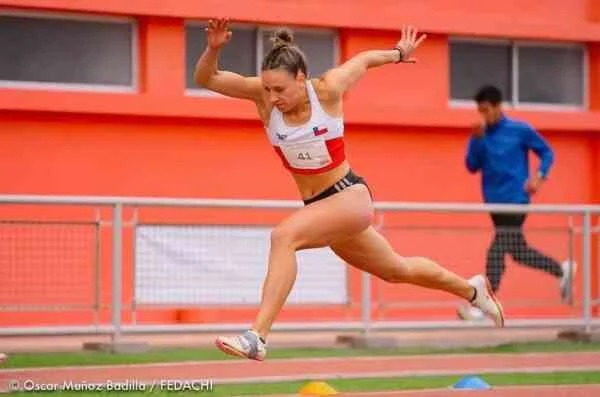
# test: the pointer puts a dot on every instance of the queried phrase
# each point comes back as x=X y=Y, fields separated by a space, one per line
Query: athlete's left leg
x=371 y=252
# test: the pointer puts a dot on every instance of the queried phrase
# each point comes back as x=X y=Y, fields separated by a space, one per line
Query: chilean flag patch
x=320 y=131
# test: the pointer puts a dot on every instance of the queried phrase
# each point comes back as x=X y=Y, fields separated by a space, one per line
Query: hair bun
x=282 y=37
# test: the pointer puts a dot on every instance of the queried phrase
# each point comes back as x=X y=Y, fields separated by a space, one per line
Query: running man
x=499 y=149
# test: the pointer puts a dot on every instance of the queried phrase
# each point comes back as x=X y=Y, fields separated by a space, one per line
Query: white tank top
x=314 y=147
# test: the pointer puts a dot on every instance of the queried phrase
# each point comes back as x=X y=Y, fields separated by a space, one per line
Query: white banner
x=225 y=265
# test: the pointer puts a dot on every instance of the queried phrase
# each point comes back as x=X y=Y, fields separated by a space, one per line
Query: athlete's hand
x=218 y=33
x=409 y=43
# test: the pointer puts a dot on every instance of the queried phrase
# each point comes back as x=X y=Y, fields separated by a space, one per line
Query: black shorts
x=348 y=180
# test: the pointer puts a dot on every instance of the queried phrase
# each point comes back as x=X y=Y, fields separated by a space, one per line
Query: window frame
x=514 y=103
x=80 y=87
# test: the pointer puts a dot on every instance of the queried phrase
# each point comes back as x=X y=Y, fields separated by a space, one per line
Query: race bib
x=311 y=154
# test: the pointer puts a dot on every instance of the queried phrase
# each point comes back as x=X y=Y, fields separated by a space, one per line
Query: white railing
x=118 y=205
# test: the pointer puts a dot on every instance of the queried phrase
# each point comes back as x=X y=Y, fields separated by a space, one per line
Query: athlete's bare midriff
x=311 y=185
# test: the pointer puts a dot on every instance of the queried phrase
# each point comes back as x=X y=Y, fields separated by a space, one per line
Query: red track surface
x=272 y=370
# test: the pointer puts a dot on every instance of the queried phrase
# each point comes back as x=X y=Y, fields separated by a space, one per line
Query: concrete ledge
x=119 y=347
x=579 y=335
x=368 y=341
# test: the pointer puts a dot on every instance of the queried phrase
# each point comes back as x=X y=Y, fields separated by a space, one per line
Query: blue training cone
x=471 y=383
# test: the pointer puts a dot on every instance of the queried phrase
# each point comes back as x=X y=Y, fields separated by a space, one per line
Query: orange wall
x=593 y=10
x=141 y=157
x=396 y=86
x=401 y=133
x=542 y=19
x=90 y=155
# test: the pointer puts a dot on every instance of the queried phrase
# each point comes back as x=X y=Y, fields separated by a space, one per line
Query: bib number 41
x=307 y=155
x=304 y=156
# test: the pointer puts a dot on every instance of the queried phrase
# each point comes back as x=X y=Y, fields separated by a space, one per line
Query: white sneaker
x=247 y=345
x=470 y=313
x=486 y=300
x=566 y=281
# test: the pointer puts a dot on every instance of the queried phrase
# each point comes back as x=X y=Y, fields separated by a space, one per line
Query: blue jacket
x=502 y=156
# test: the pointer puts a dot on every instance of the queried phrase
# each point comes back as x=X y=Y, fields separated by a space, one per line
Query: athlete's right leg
x=315 y=225
x=371 y=252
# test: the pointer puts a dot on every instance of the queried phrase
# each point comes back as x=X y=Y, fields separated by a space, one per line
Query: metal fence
x=114 y=265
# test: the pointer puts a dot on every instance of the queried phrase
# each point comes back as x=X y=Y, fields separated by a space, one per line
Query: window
x=551 y=74
x=53 y=50
x=475 y=64
x=241 y=55
x=527 y=73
